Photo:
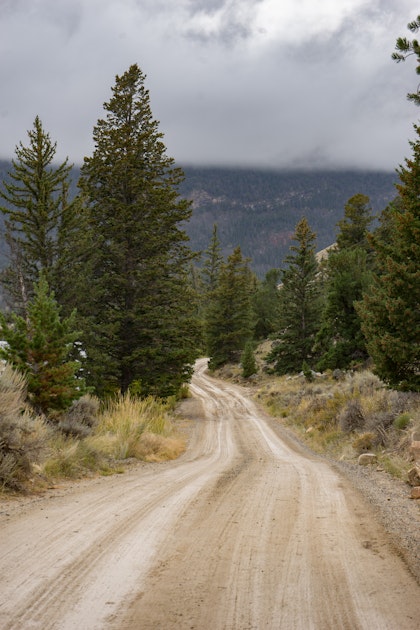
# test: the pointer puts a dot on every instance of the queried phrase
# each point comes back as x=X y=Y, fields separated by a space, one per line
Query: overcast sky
x=266 y=83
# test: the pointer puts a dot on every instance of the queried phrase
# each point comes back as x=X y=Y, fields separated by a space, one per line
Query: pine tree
x=299 y=304
x=390 y=310
x=249 y=365
x=229 y=319
x=265 y=302
x=36 y=207
x=40 y=346
x=340 y=340
x=354 y=227
x=212 y=263
x=405 y=49
x=140 y=307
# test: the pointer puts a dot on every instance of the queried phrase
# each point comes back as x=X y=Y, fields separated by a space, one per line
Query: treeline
x=258 y=210
x=358 y=304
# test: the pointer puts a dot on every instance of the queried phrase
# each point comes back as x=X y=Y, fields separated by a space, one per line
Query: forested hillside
x=258 y=210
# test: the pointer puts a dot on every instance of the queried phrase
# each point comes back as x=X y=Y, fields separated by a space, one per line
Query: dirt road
x=242 y=532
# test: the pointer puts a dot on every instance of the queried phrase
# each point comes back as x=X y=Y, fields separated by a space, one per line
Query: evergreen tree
x=249 y=365
x=36 y=208
x=265 y=302
x=40 y=346
x=390 y=310
x=340 y=340
x=406 y=48
x=229 y=319
x=299 y=304
x=354 y=227
x=140 y=307
x=212 y=264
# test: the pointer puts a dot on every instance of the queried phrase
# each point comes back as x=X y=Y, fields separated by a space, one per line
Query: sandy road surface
x=242 y=532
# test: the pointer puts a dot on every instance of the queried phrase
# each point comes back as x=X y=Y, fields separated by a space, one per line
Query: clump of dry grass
x=131 y=427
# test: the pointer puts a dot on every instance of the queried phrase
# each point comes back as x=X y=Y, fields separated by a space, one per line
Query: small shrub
x=351 y=417
x=23 y=437
x=402 y=421
x=81 y=418
x=248 y=363
x=364 y=442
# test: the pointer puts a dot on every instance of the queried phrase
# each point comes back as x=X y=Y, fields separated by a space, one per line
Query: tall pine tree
x=390 y=311
x=229 y=318
x=139 y=299
x=340 y=340
x=299 y=305
x=37 y=211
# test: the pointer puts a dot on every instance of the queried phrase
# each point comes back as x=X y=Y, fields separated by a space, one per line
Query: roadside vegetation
x=89 y=438
x=339 y=414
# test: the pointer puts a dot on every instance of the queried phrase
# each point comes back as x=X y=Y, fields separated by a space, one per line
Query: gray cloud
x=254 y=82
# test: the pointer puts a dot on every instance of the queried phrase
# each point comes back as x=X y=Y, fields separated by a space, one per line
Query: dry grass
x=345 y=417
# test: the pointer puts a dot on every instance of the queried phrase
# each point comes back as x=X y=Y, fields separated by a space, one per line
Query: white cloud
x=264 y=82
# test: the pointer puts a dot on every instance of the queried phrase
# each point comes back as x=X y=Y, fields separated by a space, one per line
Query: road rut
x=242 y=532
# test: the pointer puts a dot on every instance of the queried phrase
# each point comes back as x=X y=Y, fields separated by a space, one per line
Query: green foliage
x=390 y=309
x=406 y=48
x=340 y=341
x=229 y=320
x=299 y=305
x=39 y=347
x=249 y=365
x=402 y=421
x=354 y=226
x=139 y=313
x=37 y=211
x=265 y=302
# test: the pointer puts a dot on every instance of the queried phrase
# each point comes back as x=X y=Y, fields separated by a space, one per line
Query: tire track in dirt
x=241 y=532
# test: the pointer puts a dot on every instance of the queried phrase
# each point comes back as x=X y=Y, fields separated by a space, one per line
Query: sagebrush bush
x=81 y=418
x=351 y=417
x=23 y=437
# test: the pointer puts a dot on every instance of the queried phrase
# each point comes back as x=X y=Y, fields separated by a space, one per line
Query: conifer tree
x=212 y=263
x=340 y=340
x=229 y=319
x=265 y=302
x=36 y=208
x=139 y=308
x=299 y=305
x=390 y=310
x=248 y=362
x=406 y=48
x=40 y=346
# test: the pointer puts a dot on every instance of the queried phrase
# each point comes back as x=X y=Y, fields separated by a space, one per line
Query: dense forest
x=259 y=209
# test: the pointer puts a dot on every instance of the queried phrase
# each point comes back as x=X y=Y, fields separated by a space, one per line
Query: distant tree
x=249 y=365
x=265 y=301
x=229 y=320
x=299 y=304
x=340 y=341
x=390 y=310
x=212 y=263
x=139 y=307
x=406 y=48
x=40 y=347
x=354 y=227
x=36 y=210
